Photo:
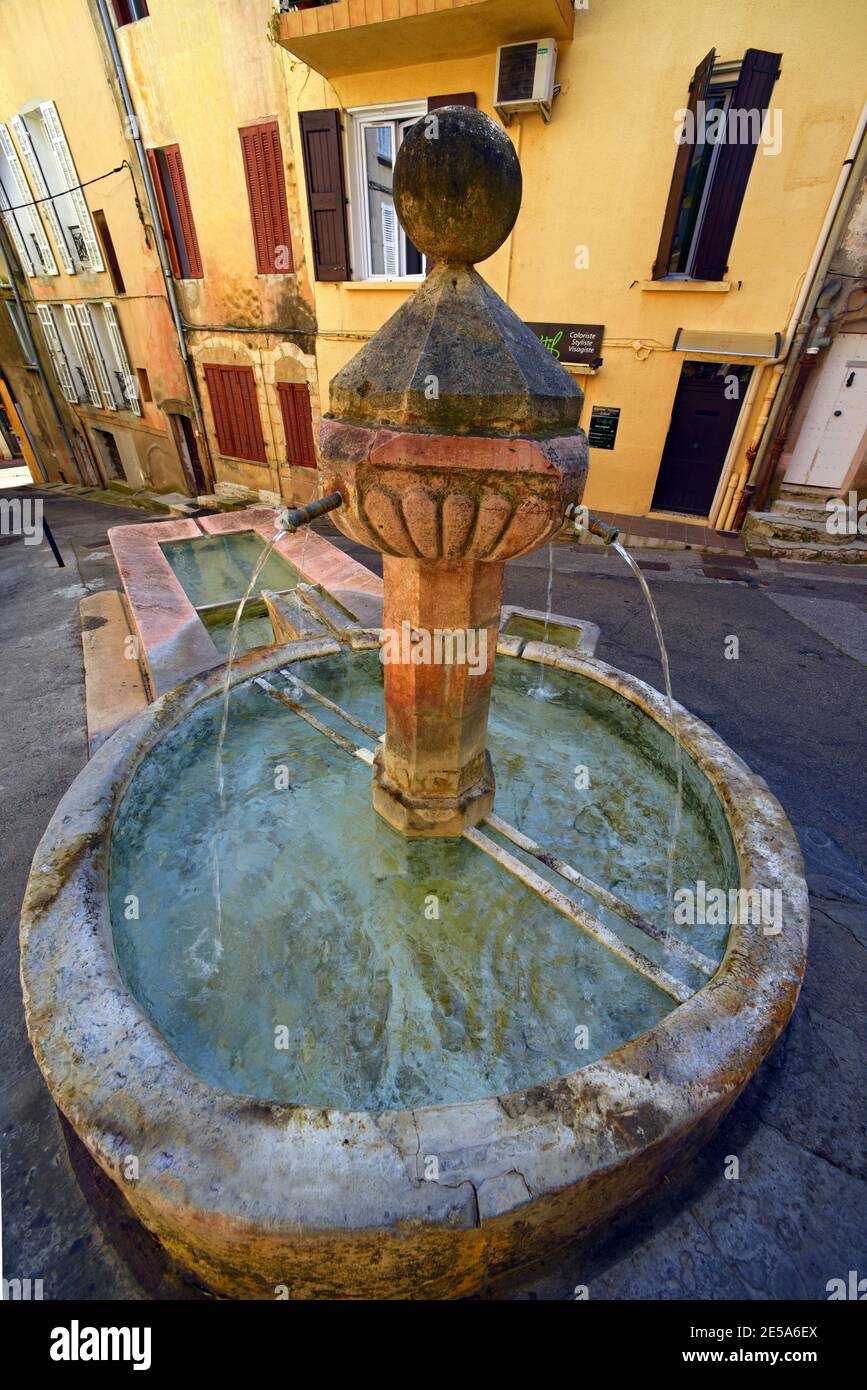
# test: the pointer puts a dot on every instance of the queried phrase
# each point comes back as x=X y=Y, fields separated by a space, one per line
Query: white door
x=836 y=419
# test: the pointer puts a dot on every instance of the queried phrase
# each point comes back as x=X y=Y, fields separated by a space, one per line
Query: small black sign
x=603 y=426
x=579 y=343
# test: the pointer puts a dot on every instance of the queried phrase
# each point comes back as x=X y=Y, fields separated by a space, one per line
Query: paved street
x=792 y=704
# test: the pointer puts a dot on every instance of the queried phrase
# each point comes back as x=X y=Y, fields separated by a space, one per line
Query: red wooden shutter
x=168 y=233
x=294 y=398
x=266 y=189
x=326 y=194
x=235 y=407
x=456 y=99
x=175 y=167
x=759 y=71
x=697 y=92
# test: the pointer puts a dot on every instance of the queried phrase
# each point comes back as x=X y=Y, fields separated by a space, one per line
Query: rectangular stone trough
x=175 y=643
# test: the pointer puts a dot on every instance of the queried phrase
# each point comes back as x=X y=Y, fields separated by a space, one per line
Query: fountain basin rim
x=231 y=1184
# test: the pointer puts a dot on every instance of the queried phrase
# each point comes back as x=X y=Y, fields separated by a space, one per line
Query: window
x=382 y=250
x=173 y=199
x=125 y=11
x=49 y=162
x=68 y=367
x=235 y=406
x=110 y=255
x=89 y=356
x=22 y=331
x=110 y=455
x=294 y=398
x=373 y=136
x=723 y=121
x=24 y=224
x=266 y=190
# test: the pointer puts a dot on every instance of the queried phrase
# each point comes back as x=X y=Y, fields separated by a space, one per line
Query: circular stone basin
x=348 y=1063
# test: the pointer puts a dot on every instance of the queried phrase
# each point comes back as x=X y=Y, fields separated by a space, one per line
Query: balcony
x=352 y=36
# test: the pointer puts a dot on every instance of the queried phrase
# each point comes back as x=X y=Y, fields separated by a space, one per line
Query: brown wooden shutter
x=168 y=233
x=235 y=407
x=456 y=99
x=326 y=193
x=759 y=72
x=266 y=190
x=175 y=166
x=697 y=92
x=294 y=398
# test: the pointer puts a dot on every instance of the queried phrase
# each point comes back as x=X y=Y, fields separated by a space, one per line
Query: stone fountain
x=454 y=440
x=325 y=1052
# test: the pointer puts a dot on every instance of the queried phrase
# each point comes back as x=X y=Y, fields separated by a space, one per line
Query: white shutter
x=86 y=321
x=389 y=239
x=9 y=219
x=122 y=359
x=75 y=333
x=30 y=220
x=67 y=166
x=55 y=349
x=42 y=189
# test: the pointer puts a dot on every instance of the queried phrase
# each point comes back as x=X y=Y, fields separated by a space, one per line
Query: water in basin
x=355 y=969
x=217 y=569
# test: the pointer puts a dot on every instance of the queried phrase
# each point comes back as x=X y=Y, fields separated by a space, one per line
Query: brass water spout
x=584 y=521
x=302 y=516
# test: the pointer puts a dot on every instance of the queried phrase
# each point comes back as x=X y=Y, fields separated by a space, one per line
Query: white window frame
x=131 y=396
x=358 y=120
x=57 y=352
x=26 y=220
x=53 y=172
x=75 y=333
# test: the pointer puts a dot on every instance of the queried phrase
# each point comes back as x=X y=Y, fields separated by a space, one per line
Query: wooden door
x=706 y=407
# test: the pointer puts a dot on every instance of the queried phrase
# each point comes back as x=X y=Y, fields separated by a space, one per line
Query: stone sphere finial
x=457 y=185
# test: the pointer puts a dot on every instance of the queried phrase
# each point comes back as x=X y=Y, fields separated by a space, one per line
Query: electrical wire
x=49 y=198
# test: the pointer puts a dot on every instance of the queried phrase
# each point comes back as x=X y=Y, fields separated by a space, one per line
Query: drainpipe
x=729 y=518
x=52 y=400
x=851 y=173
x=721 y=509
x=165 y=264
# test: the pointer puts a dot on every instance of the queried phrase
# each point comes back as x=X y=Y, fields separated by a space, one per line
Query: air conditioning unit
x=525 y=78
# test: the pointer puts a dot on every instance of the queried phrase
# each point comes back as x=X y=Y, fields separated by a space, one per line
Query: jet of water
x=663 y=656
x=221 y=738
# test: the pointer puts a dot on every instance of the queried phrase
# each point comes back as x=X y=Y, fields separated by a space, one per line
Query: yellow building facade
x=597 y=178
x=96 y=302
x=255 y=233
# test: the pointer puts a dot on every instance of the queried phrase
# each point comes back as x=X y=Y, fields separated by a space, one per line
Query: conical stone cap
x=455 y=358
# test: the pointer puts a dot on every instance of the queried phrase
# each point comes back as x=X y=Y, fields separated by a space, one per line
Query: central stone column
x=453 y=441
x=441 y=619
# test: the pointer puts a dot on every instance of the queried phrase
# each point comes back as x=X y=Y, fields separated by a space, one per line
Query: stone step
x=114 y=686
x=804 y=529
x=853 y=553
x=797 y=506
x=801 y=492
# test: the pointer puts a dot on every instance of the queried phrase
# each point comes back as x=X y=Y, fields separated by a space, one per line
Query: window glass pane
x=381 y=217
x=413 y=259
x=696 y=182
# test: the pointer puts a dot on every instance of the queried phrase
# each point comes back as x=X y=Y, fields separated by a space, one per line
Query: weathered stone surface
x=113 y=683
x=455 y=357
x=457 y=185
x=251 y=1195
x=446 y=512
